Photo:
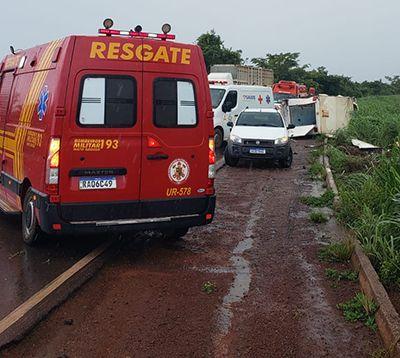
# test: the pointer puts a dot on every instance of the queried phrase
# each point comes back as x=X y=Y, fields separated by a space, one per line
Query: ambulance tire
x=175 y=234
x=232 y=162
x=287 y=162
x=218 y=137
x=31 y=232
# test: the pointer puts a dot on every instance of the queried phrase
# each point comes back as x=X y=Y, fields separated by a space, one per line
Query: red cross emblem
x=260 y=99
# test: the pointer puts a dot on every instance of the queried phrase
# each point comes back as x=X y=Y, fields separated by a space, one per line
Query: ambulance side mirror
x=230 y=124
x=226 y=107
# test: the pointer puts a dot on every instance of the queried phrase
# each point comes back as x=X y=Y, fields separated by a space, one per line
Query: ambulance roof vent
x=137 y=32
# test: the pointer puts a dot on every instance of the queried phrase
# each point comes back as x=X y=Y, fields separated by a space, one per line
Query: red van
x=108 y=132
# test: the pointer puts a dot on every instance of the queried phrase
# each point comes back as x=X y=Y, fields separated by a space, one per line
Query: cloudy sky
x=358 y=38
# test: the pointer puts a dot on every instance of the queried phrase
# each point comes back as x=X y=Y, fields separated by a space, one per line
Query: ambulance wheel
x=175 y=234
x=30 y=228
x=287 y=162
x=232 y=162
x=218 y=137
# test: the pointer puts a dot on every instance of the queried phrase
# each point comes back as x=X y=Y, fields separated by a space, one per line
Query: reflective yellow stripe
x=12 y=143
x=30 y=105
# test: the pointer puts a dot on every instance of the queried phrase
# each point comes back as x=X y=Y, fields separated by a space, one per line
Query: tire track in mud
x=240 y=286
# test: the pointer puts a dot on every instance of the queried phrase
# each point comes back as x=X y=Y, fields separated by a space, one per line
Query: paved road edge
x=17 y=323
x=387 y=318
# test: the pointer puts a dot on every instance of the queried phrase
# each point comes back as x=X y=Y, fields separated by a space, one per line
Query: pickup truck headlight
x=282 y=140
x=236 y=139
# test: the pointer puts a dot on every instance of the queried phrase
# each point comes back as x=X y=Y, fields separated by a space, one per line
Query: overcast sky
x=358 y=38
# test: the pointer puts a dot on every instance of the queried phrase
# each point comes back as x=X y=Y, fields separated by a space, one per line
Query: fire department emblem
x=178 y=171
x=42 y=106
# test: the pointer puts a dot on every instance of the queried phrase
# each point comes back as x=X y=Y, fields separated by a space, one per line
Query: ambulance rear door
x=101 y=143
x=175 y=137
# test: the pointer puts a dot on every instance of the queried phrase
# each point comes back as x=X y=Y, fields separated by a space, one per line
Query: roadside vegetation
x=209 y=287
x=337 y=252
x=317 y=171
x=360 y=308
x=318 y=217
x=324 y=200
x=345 y=275
x=369 y=183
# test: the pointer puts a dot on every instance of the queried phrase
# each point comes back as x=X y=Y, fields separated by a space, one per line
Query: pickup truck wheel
x=287 y=162
x=218 y=137
x=232 y=162
x=31 y=232
x=175 y=234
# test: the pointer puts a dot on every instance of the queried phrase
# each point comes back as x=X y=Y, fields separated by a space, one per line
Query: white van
x=228 y=101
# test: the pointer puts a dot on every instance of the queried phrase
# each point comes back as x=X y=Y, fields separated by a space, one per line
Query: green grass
x=369 y=185
x=360 y=308
x=324 y=200
x=380 y=353
x=377 y=121
x=337 y=251
x=344 y=163
x=209 y=287
x=316 y=153
x=318 y=217
x=317 y=171
x=346 y=275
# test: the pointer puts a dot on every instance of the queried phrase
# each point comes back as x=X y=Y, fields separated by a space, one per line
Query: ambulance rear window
x=174 y=103
x=108 y=101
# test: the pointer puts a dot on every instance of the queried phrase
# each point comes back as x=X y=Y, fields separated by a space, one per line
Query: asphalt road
x=268 y=294
x=25 y=270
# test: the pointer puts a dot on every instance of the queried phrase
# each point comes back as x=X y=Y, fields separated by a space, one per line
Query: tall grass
x=377 y=121
x=370 y=189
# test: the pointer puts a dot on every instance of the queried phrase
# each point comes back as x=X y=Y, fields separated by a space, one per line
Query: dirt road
x=271 y=297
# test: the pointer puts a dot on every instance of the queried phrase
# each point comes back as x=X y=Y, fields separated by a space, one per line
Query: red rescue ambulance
x=108 y=132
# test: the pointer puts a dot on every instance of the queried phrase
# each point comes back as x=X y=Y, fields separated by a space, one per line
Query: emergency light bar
x=131 y=33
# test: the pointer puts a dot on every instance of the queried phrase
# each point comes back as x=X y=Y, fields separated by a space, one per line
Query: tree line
x=286 y=66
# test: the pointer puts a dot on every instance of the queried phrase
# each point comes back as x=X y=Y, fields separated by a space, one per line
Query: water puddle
x=242 y=273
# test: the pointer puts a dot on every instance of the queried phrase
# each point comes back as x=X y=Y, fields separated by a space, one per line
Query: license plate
x=257 y=151
x=100 y=183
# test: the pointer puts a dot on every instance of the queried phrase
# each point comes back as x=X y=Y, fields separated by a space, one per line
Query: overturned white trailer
x=319 y=114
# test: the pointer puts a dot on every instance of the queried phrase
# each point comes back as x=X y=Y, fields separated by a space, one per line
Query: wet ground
x=25 y=270
x=267 y=291
x=220 y=151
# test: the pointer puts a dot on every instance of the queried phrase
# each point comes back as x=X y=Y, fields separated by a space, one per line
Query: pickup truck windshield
x=260 y=119
x=216 y=96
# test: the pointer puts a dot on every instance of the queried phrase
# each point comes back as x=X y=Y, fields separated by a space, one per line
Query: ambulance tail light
x=52 y=166
x=211 y=167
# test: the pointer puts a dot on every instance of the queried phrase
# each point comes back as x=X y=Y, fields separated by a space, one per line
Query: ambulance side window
x=174 y=103
x=230 y=101
x=107 y=101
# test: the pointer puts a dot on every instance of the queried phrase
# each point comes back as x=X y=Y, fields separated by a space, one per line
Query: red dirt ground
x=272 y=298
